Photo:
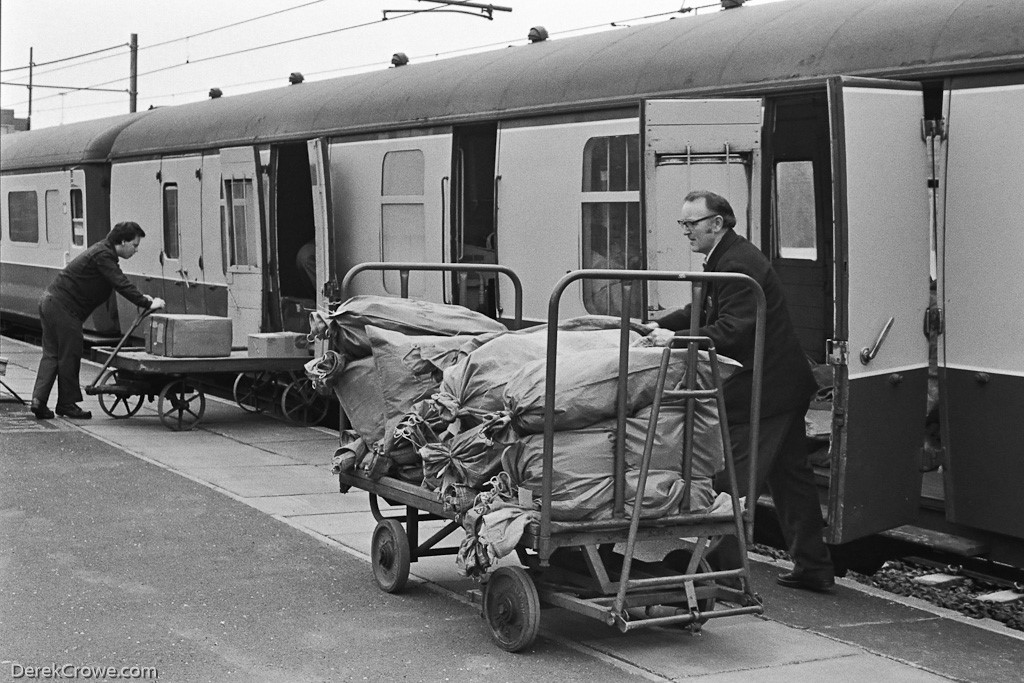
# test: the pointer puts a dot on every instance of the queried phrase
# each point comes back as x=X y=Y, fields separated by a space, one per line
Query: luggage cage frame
x=593 y=591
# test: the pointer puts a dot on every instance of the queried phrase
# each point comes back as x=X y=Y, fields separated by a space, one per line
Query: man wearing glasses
x=728 y=318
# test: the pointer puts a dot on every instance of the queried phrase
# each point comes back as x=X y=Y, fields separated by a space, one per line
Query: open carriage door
x=880 y=354
x=981 y=351
x=697 y=144
x=328 y=288
x=242 y=230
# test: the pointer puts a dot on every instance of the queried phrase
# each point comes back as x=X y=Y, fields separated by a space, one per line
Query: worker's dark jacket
x=88 y=280
x=728 y=318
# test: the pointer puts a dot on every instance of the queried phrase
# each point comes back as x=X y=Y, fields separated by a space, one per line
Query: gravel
x=897 y=576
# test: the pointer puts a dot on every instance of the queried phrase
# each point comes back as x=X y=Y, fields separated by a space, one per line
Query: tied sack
x=475 y=384
x=586 y=386
x=403 y=315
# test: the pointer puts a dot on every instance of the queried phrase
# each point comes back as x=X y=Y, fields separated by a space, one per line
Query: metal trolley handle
x=404 y=268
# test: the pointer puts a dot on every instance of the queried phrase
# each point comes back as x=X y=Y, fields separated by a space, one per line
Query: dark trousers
x=63 y=345
x=782 y=466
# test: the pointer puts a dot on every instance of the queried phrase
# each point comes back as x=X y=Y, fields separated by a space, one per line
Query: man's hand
x=156 y=303
x=660 y=336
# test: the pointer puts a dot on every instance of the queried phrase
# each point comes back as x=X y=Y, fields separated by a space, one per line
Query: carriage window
x=402 y=216
x=616 y=247
x=77 y=218
x=172 y=246
x=23 y=213
x=611 y=221
x=612 y=164
x=53 y=215
x=403 y=173
x=795 y=215
x=238 y=222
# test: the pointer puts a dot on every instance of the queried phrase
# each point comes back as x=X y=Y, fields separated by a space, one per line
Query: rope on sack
x=323 y=371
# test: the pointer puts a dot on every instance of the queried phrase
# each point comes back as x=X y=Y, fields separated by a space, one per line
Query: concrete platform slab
x=311 y=504
x=249 y=482
x=850 y=669
x=740 y=643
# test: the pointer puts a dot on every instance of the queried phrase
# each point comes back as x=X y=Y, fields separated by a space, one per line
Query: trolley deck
x=573 y=564
x=131 y=374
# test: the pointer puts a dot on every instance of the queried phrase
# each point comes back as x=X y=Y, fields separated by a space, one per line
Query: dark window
x=23 y=212
x=172 y=247
x=77 y=218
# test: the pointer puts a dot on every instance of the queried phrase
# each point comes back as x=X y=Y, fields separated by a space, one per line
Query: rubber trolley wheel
x=254 y=391
x=678 y=560
x=181 y=405
x=512 y=608
x=301 y=403
x=390 y=556
x=117 y=405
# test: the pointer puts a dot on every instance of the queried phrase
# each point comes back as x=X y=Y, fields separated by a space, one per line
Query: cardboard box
x=279 y=345
x=188 y=336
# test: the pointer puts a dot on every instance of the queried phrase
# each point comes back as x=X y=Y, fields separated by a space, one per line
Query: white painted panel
x=135 y=196
x=50 y=254
x=213 y=241
x=540 y=209
x=667 y=247
x=356 y=181
x=184 y=271
x=887 y=212
x=983 y=247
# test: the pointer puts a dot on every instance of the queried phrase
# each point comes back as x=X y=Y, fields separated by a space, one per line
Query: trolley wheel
x=512 y=608
x=390 y=556
x=181 y=405
x=115 y=405
x=678 y=560
x=254 y=391
x=301 y=404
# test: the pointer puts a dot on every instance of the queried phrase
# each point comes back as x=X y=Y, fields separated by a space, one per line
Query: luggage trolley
x=619 y=590
x=593 y=580
x=130 y=374
x=393 y=547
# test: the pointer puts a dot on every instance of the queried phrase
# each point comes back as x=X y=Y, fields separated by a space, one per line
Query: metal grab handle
x=868 y=354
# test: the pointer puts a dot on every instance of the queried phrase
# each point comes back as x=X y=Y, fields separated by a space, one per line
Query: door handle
x=868 y=354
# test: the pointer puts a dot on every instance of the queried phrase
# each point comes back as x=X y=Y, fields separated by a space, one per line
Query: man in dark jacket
x=728 y=318
x=84 y=284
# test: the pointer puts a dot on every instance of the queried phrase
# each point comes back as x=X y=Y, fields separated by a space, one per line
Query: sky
x=185 y=45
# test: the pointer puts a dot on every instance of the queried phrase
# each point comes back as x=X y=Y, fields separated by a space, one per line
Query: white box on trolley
x=279 y=345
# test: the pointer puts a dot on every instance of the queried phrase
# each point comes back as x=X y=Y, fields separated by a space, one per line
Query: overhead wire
x=154 y=45
x=682 y=9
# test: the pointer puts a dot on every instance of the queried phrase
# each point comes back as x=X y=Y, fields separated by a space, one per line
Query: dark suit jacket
x=728 y=318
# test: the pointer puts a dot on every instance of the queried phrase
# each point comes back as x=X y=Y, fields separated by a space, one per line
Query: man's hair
x=716 y=204
x=125 y=232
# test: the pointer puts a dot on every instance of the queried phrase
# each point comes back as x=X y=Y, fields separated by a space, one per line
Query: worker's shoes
x=74 y=412
x=796 y=579
x=41 y=412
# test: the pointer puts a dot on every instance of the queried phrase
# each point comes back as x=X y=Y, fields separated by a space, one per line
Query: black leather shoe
x=796 y=579
x=74 y=412
x=41 y=412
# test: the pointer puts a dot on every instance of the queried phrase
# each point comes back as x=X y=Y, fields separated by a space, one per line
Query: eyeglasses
x=690 y=225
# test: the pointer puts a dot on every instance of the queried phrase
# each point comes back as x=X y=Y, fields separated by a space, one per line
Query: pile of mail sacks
x=452 y=400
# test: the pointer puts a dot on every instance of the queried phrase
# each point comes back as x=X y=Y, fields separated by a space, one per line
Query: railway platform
x=227 y=551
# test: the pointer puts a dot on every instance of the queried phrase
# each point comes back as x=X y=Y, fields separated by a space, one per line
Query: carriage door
x=242 y=229
x=981 y=351
x=879 y=351
x=695 y=145
x=328 y=288
x=473 y=236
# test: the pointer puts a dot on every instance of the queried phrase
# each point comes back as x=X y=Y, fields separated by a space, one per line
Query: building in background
x=10 y=124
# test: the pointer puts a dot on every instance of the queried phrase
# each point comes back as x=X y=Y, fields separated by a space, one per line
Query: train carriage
x=870 y=148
